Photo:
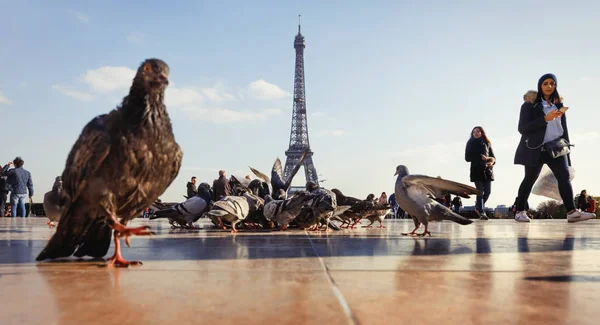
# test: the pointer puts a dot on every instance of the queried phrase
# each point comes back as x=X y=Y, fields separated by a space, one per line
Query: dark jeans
x=3 y=197
x=560 y=169
x=485 y=187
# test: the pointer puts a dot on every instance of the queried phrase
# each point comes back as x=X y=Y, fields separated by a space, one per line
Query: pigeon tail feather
x=447 y=214
x=70 y=232
x=96 y=241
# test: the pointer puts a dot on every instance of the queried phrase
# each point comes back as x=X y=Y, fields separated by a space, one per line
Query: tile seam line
x=336 y=290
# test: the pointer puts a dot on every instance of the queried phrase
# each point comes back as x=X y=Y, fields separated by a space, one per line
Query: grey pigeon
x=52 y=207
x=234 y=209
x=186 y=213
x=284 y=211
x=415 y=194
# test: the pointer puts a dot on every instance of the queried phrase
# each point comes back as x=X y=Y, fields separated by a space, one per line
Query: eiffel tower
x=299 y=134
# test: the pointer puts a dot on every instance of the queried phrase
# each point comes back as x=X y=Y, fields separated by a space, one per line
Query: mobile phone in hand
x=563 y=109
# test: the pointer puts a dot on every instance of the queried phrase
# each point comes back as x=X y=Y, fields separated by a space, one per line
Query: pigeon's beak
x=163 y=78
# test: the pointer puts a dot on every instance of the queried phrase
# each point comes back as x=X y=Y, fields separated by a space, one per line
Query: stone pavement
x=489 y=272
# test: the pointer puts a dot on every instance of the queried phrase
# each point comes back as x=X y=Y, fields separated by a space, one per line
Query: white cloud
x=137 y=38
x=73 y=93
x=4 y=100
x=226 y=116
x=198 y=103
x=107 y=79
x=217 y=94
x=178 y=97
x=262 y=90
x=332 y=132
x=80 y=16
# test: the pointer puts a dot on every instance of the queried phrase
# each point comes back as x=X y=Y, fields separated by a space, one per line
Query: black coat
x=475 y=148
x=532 y=126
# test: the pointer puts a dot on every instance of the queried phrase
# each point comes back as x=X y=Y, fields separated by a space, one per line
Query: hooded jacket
x=532 y=127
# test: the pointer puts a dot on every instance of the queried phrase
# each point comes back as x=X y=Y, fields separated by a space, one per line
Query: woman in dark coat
x=542 y=121
x=480 y=154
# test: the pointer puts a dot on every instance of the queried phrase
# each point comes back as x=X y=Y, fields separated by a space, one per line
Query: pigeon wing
x=87 y=156
x=277 y=176
x=288 y=183
x=436 y=186
x=260 y=175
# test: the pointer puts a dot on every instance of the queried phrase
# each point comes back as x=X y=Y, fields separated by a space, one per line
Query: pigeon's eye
x=147 y=67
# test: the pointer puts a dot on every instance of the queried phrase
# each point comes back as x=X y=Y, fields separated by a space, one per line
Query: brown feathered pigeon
x=118 y=167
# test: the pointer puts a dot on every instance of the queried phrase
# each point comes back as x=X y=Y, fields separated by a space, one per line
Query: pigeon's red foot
x=117 y=260
x=282 y=228
x=127 y=232
x=50 y=224
x=314 y=228
x=221 y=225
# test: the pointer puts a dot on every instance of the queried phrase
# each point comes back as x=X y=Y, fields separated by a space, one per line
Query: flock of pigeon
x=264 y=203
x=125 y=159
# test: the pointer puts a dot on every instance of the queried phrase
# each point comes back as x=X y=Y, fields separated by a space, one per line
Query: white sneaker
x=579 y=215
x=522 y=216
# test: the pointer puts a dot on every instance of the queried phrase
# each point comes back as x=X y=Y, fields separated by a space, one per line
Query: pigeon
x=322 y=207
x=237 y=188
x=120 y=164
x=358 y=208
x=284 y=211
x=52 y=207
x=186 y=213
x=378 y=215
x=234 y=209
x=307 y=219
x=259 y=188
x=416 y=195
x=279 y=188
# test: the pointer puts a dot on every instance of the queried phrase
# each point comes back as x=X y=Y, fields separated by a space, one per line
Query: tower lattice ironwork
x=299 y=134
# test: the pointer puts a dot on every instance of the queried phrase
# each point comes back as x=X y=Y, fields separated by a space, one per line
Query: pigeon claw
x=127 y=232
x=424 y=233
x=119 y=261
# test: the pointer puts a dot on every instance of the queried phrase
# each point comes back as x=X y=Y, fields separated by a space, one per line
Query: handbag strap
x=533 y=148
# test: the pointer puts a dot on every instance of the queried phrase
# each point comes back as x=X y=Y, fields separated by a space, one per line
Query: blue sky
x=387 y=83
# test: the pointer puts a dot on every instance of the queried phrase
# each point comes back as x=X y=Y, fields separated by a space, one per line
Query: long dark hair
x=483 y=135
